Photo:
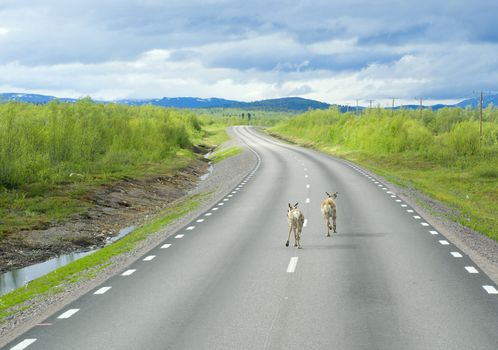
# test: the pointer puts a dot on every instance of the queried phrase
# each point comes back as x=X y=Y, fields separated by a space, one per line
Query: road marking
x=409 y=210
x=305 y=223
x=102 y=290
x=389 y=192
x=306 y=175
x=444 y=242
x=434 y=232
x=292 y=264
x=230 y=196
x=221 y=203
x=24 y=344
x=404 y=205
x=128 y=272
x=149 y=258
x=190 y=228
x=179 y=236
x=456 y=254
x=424 y=224
x=208 y=214
x=490 y=289
x=165 y=246
x=471 y=269
x=305 y=169
x=416 y=217
x=200 y=220
x=379 y=185
x=398 y=200
x=393 y=196
x=234 y=192
x=68 y=313
x=226 y=199
x=214 y=209
x=307 y=200
x=308 y=186
x=384 y=188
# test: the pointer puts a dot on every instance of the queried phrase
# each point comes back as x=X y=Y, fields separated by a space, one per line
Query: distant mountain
x=32 y=98
x=288 y=103
x=291 y=104
x=474 y=102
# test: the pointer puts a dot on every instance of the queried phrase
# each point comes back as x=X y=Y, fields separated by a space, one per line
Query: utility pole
x=421 y=106
x=371 y=103
x=356 y=106
x=480 y=119
x=392 y=108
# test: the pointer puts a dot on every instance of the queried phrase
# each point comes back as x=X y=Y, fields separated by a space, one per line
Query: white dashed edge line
x=490 y=289
x=102 y=290
x=128 y=272
x=149 y=258
x=456 y=255
x=471 y=269
x=24 y=344
x=166 y=246
x=68 y=313
x=179 y=236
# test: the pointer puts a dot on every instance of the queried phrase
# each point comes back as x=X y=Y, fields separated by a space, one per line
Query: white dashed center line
x=490 y=289
x=128 y=272
x=24 y=344
x=190 y=228
x=456 y=254
x=471 y=269
x=292 y=264
x=179 y=236
x=102 y=290
x=68 y=313
x=166 y=246
x=444 y=242
x=149 y=258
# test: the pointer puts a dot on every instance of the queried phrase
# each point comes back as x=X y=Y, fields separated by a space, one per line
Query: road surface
x=386 y=280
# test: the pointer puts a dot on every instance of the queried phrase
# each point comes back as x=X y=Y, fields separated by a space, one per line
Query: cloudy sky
x=330 y=50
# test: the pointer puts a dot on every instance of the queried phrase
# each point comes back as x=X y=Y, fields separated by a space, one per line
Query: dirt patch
x=127 y=202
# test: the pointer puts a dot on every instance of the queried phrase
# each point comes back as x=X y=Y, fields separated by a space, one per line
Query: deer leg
x=334 y=217
x=288 y=237
x=327 y=223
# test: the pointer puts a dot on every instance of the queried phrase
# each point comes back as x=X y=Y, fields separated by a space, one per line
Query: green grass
x=439 y=153
x=89 y=266
x=222 y=154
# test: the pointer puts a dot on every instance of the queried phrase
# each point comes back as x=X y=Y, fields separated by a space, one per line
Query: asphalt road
x=386 y=280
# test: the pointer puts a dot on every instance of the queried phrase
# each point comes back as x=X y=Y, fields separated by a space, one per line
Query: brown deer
x=295 y=219
x=329 y=210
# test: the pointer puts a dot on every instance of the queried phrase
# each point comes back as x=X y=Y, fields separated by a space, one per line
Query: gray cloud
x=253 y=49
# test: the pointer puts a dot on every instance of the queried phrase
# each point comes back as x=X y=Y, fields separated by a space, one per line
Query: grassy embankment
x=439 y=153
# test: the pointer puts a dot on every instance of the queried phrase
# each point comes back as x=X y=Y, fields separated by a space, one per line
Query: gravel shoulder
x=223 y=178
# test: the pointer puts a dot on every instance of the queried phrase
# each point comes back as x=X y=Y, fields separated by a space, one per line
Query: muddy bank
x=127 y=202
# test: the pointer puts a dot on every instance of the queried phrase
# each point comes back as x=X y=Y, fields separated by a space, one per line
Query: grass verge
x=222 y=154
x=89 y=266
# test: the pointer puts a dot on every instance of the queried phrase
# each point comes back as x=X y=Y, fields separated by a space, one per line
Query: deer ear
x=290 y=206
x=295 y=205
x=327 y=194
